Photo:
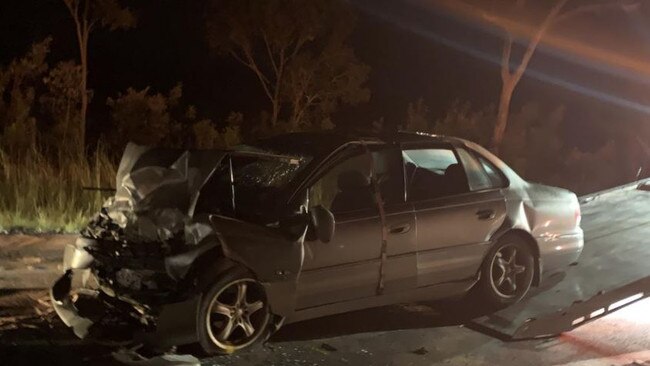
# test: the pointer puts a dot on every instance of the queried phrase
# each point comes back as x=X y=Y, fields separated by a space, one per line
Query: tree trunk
x=275 y=113
x=507 y=90
x=511 y=79
x=83 y=33
x=84 y=94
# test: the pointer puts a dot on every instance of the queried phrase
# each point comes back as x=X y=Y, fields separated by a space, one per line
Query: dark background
x=414 y=51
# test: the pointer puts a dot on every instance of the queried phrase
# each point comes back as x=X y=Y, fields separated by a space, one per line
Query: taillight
x=578 y=216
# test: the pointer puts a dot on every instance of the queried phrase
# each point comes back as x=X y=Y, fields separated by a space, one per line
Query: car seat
x=354 y=193
x=455 y=180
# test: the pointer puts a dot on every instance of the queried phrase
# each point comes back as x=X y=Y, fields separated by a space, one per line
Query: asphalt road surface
x=617 y=251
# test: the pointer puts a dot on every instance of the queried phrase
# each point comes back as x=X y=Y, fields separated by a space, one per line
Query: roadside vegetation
x=44 y=194
x=306 y=69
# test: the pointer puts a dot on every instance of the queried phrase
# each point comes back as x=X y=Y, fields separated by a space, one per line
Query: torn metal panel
x=178 y=265
x=65 y=309
x=157 y=190
x=75 y=256
x=145 y=240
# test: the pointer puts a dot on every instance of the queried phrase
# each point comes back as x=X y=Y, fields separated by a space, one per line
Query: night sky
x=414 y=49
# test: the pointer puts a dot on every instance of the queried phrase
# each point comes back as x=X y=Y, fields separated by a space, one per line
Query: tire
x=234 y=313
x=506 y=273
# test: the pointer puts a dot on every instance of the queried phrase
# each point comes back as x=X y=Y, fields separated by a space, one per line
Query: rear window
x=433 y=173
x=436 y=160
x=498 y=180
x=477 y=177
x=481 y=174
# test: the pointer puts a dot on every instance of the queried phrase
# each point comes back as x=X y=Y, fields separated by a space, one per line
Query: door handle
x=488 y=214
x=400 y=229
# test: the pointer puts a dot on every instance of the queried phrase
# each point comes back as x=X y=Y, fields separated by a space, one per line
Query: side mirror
x=322 y=221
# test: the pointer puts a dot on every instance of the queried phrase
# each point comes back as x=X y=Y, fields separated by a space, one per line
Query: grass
x=44 y=193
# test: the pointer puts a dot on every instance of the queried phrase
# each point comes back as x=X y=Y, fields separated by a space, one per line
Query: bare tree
x=297 y=51
x=87 y=16
x=316 y=84
x=512 y=72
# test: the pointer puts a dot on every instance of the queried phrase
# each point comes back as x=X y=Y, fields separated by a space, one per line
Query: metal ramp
x=613 y=272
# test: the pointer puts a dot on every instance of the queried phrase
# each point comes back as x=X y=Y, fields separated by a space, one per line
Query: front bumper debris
x=65 y=308
x=97 y=312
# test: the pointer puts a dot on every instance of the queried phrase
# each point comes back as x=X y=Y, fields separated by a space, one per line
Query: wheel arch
x=207 y=267
x=214 y=263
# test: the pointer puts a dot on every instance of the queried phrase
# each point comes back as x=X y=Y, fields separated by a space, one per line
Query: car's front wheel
x=507 y=273
x=234 y=313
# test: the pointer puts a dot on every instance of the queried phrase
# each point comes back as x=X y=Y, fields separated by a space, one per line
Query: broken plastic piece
x=132 y=357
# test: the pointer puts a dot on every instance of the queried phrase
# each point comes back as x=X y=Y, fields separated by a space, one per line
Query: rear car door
x=458 y=208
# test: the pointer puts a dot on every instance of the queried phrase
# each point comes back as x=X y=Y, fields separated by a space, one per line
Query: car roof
x=323 y=143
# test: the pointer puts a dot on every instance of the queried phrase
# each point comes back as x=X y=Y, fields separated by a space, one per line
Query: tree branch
x=586 y=9
x=269 y=52
x=299 y=43
x=237 y=57
x=541 y=31
x=279 y=76
x=85 y=15
x=68 y=4
x=505 y=57
x=250 y=62
x=91 y=25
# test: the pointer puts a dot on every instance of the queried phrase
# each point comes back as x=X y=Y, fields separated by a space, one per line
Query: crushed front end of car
x=129 y=274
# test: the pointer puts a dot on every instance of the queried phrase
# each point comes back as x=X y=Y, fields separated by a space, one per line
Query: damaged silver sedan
x=221 y=248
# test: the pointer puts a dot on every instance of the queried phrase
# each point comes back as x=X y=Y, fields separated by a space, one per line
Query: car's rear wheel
x=507 y=272
x=234 y=314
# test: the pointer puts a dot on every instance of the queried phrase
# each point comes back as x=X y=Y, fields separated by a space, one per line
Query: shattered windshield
x=260 y=177
x=258 y=168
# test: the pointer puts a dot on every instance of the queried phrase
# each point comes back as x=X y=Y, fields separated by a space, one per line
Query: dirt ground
x=31 y=261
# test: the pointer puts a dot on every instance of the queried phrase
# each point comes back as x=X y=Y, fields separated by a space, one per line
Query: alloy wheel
x=507 y=271
x=237 y=314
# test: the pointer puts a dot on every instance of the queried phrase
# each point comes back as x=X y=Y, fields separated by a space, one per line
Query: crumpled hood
x=157 y=190
x=152 y=178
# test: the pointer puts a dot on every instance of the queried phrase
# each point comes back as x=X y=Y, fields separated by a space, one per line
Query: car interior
x=426 y=184
x=354 y=192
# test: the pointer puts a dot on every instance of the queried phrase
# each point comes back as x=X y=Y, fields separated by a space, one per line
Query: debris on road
x=133 y=358
x=23 y=305
x=328 y=347
x=420 y=351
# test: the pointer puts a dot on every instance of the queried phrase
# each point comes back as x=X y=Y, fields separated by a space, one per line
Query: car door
x=348 y=266
x=457 y=208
